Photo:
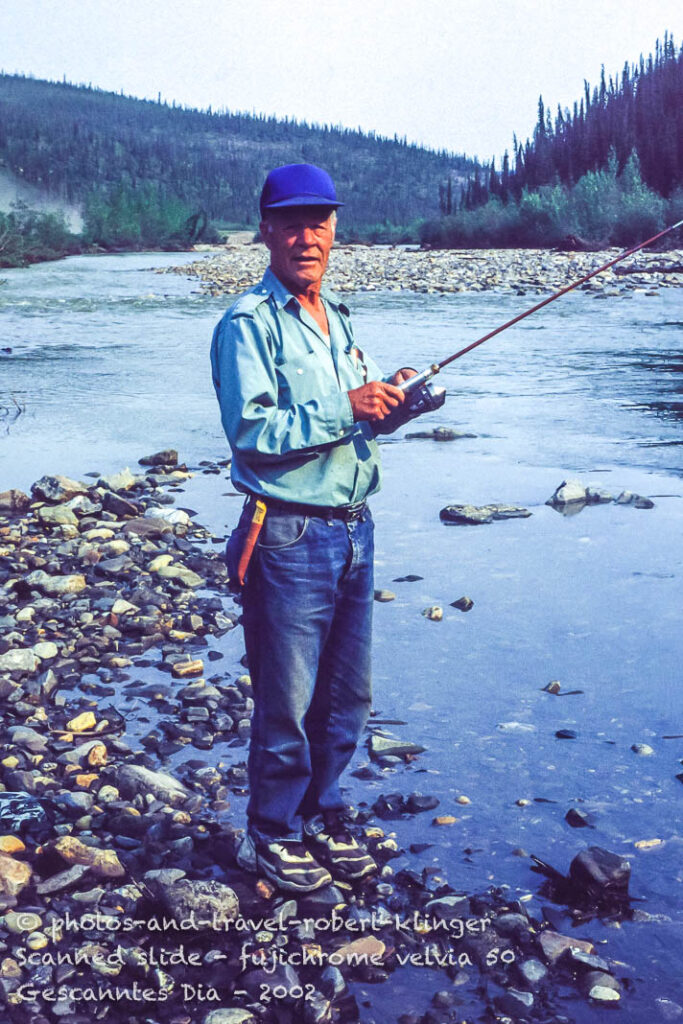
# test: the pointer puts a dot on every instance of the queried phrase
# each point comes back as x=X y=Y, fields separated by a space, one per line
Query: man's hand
x=404 y=374
x=375 y=400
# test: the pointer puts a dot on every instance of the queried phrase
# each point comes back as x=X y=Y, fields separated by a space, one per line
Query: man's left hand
x=404 y=374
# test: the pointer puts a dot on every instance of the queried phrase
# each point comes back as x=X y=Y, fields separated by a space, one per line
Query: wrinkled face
x=299 y=239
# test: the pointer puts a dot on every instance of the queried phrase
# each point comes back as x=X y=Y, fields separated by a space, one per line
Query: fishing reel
x=421 y=396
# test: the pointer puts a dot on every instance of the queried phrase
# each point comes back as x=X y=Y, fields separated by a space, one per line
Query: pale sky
x=462 y=75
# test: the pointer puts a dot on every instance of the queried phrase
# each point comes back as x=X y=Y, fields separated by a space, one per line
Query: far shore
x=229 y=269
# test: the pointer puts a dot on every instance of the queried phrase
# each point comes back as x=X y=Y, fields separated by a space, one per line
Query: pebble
x=384 y=595
x=229 y=1015
x=45 y=650
x=11 y=844
x=434 y=612
x=24 y=922
x=14 y=875
x=602 y=988
x=187 y=668
x=82 y=723
x=643 y=749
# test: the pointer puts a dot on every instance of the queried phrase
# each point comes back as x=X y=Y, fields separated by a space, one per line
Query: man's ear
x=266 y=229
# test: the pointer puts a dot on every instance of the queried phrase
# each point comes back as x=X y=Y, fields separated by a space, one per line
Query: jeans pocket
x=282 y=531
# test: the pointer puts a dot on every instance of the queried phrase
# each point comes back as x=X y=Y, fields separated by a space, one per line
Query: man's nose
x=307 y=236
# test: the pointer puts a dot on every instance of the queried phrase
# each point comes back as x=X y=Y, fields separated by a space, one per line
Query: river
x=102 y=360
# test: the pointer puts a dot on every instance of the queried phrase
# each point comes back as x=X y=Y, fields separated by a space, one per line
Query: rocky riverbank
x=118 y=884
x=396 y=268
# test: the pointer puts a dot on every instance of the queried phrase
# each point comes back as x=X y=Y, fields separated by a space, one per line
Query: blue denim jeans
x=307 y=617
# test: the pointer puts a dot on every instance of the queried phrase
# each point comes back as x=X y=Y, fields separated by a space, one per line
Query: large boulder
x=57 y=488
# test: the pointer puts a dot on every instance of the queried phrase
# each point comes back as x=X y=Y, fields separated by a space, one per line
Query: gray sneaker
x=286 y=862
x=333 y=845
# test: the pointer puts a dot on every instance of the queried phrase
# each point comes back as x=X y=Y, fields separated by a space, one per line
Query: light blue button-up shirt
x=282 y=390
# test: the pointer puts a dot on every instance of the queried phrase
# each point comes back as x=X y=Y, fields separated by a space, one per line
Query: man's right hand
x=375 y=400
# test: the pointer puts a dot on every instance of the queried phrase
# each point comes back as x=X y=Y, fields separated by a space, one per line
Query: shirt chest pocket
x=305 y=376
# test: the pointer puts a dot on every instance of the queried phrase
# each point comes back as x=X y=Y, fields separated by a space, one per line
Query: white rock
x=45 y=649
x=18 y=660
x=56 y=584
x=135 y=778
x=568 y=492
x=174 y=516
x=122 y=481
x=181 y=573
x=160 y=562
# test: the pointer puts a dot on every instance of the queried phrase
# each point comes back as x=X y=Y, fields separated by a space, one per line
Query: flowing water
x=102 y=361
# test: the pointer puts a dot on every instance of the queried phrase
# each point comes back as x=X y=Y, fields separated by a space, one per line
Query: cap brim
x=307 y=200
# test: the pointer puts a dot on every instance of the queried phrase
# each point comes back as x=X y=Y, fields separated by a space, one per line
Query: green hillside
x=102 y=150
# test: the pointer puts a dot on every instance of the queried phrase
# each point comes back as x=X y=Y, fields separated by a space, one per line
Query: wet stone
x=515 y=1002
x=57 y=488
x=417 y=802
x=167 y=457
x=553 y=945
x=602 y=988
x=511 y=924
x=599 y=872
x=434 y=612
x=578 y=818
x=587 y=961
x=478 y=515
x=532 y=971
x=382 y=746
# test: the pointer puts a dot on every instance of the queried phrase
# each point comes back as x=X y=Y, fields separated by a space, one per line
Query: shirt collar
x=282 y=295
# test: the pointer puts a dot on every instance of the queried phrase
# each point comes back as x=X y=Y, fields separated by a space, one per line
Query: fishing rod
x=422 y=396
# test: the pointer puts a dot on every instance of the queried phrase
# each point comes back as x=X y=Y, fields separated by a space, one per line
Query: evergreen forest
x=155 y=174
x=610 y=171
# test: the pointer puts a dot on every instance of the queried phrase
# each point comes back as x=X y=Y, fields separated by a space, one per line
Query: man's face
x=299 y=239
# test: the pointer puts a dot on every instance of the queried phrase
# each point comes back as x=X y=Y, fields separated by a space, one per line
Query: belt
x=348 y=513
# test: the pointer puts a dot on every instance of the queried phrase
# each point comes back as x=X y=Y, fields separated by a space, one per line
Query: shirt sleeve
x=245 y=380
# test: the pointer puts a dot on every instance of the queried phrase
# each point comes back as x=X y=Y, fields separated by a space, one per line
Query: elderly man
x=298 y=400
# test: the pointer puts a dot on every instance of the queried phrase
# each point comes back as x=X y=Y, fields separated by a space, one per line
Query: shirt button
x=341 y=433
x=299 y=370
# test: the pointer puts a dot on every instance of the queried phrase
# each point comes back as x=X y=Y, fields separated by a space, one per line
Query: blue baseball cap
x=298 y=185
